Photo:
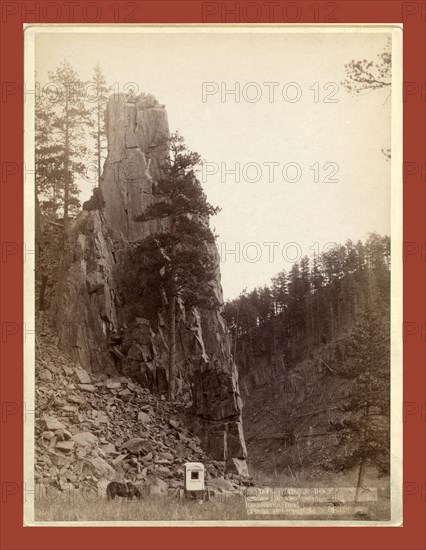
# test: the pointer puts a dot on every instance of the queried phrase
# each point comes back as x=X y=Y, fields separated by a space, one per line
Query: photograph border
x=395 y=205
x=14 y=536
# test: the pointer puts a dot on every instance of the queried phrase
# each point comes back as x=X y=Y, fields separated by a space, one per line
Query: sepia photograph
x=216 y=291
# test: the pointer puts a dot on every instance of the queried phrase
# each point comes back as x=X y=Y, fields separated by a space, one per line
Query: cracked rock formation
x=107 y=315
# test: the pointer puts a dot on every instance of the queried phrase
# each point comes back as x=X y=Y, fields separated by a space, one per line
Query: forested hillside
x=313 y=356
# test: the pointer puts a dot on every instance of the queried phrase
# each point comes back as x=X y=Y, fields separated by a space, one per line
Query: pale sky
x=349 y=134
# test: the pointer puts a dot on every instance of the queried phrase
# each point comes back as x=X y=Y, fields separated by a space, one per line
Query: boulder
x=143 y=417
x=65 y=446
x=63 y=435
x=135 y=445
x=45 y=375
x=237 y=466
x=85 y=438
x=166 y=456
x=158 y=487
x=83 y=376
x=113 y=385
x=87 y=387
x=164 y=470
x=147 y=408
x=76 y=399
x=174 y=423
x=148 y=458
x=220 y=484
x=109 y=448
x=50 y=366
x=119 y=459
x=68 y=370
x=51 y=423
x=101 y=468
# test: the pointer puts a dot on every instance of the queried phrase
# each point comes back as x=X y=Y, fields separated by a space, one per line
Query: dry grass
x=170 y=511
x=331 y=482
x=77 y=508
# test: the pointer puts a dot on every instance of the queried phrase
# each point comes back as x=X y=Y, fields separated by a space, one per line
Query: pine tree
x=48 y=172
x=69 y=118
x=296 y=302
x=265 y=304
x=180 y=256
x=378 y=259
x=365 y=429
x=247 y=314
x=280 y=292
x=98 y=99
x=317 y=281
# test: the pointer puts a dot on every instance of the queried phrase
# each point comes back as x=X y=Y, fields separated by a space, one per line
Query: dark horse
x=115 y=488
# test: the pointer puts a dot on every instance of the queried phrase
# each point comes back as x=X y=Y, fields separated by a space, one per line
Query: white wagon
x=194 y=480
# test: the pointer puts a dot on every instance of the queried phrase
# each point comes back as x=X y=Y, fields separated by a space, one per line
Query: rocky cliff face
x=107 y=315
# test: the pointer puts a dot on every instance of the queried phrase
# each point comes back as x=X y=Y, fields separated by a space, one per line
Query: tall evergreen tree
x=48 y=171
x=98 y=98
x=280 y=292
x=265 y=304
x=180 y=255
x=296 y=302
x=365 y=429
x=69 y=119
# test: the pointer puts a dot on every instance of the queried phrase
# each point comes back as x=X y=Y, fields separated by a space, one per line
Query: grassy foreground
x=77 y=507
